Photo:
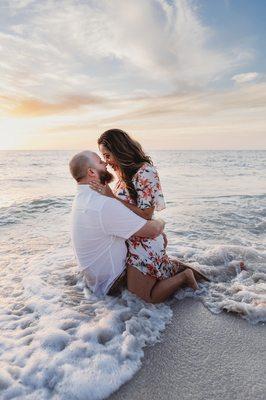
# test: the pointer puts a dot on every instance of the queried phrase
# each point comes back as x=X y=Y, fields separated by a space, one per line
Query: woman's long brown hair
x=128 y=154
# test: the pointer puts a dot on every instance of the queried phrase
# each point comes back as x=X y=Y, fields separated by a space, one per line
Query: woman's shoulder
x=146 y=169
x=147 y=184
x=146 y=175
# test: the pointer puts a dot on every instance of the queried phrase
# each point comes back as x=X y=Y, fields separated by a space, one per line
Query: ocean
x=57 y=340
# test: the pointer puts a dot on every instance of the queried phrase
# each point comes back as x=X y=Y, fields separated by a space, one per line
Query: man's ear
x=91 y=172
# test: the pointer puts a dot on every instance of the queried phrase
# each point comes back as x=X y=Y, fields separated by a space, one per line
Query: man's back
x=100 y=226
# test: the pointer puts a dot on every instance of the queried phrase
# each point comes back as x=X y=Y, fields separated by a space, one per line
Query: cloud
x=19 y=4
x=247 y=77
x=242 y=109
x=146 y=66
x=188 y=106
x=36 y=108
x=108 y=48
x=233 y=118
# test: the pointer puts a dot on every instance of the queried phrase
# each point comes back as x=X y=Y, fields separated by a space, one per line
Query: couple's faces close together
x=104 y=176
x=108 y=157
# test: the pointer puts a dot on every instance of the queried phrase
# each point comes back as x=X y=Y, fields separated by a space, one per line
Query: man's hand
x=161 y=225
x=102 y=189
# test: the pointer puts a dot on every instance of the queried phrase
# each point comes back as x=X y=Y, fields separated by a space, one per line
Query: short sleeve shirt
x=100 y=225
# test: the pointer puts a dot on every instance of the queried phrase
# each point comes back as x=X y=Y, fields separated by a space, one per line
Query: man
x=101 y=224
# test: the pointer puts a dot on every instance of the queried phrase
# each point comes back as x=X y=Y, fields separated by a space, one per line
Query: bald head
x=80 y=163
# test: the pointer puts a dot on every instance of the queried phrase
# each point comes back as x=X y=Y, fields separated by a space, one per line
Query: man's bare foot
x=190 y=279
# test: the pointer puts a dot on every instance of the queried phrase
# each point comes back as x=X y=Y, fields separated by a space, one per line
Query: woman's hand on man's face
x=102 y=189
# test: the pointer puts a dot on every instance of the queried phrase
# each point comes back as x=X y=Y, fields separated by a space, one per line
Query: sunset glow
x=70 y=70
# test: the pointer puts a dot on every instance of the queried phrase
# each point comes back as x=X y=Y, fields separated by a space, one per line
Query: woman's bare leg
x=139 y=283
x=182 y=267
x=151 y=290
x=165 y=288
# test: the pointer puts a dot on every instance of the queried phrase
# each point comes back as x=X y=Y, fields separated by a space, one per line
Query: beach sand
x=202 y=356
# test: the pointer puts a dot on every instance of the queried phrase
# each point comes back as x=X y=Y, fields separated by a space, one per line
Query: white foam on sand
x=231 y=289
x=58 y=341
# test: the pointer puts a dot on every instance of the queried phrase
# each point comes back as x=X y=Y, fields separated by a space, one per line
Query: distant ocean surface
x=57 y=340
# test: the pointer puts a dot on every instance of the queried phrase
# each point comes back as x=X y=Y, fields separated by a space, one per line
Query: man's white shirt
x=100 y=226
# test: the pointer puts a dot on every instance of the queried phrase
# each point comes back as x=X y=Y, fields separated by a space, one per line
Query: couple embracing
x=116 y=241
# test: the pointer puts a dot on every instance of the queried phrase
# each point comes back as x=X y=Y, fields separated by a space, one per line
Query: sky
x=175 y=74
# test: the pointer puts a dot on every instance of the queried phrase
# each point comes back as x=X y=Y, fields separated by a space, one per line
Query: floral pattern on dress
x=147 y=255
x=148 y=186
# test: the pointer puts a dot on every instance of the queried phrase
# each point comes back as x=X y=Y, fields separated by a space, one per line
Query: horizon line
x=176 y=149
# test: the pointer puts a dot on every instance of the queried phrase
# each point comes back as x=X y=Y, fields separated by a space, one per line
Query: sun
x=13 y=133
x=9 y=133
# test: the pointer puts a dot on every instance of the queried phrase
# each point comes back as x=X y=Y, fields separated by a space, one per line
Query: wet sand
x=202 y=356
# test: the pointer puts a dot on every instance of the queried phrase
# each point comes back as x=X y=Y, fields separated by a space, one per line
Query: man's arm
x=119 y=221
x=151 y=229
x=146 y=213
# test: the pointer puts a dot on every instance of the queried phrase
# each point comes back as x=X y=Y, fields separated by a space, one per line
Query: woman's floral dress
x=147 y=255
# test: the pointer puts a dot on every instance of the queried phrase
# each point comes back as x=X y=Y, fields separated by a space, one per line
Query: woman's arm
x=146 y=213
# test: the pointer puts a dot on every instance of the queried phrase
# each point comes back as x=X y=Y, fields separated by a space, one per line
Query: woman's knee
x=140 y=284
x=140 y=294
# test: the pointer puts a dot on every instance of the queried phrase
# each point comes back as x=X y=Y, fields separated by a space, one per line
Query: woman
x=139 y=188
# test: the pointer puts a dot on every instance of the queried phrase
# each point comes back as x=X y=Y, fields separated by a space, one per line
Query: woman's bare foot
x=242 y=266
x=190 y=279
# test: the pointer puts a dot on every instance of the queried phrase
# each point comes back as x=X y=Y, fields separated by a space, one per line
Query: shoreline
x=201 y=356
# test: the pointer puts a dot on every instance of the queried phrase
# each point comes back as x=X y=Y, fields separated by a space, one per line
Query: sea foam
x=57 y=340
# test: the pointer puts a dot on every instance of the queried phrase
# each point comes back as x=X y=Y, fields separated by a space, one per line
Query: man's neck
x=88 y=181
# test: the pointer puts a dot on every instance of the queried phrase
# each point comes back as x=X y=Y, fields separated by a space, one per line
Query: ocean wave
x=21 y=211
x=78 y=346
x=237 y=196
x=231 y=289
x=25 y=179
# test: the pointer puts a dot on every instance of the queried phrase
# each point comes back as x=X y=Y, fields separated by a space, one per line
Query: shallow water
x=57 y=341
